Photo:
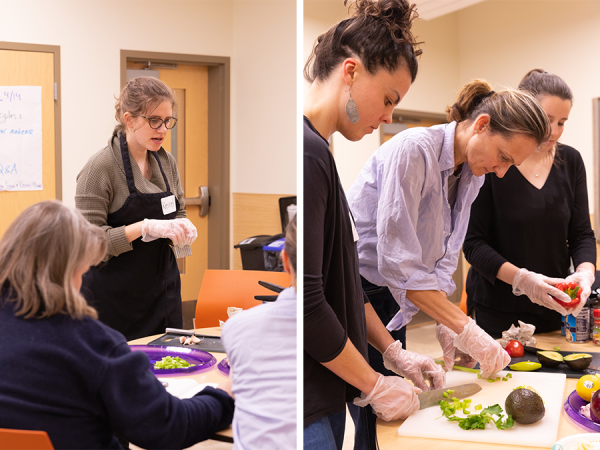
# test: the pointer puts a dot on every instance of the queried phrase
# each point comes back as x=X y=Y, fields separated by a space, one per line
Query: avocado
x=549 y=359
x=578 y=361
x=525 y=406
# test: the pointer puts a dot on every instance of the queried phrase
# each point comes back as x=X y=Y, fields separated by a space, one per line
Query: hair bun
x=397 y=15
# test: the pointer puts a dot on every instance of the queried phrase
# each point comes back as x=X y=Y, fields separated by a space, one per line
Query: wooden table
x=212 y=375
x=387 y=432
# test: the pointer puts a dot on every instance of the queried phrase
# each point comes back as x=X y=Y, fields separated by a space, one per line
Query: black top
x=537 y=229
x=333 y=297
x=79 y=381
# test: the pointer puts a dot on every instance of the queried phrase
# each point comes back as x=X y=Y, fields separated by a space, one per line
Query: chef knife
x=188 y=333
x=432 y=398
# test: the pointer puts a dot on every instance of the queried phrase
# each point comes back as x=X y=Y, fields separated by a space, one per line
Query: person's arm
x=325 y=339
x=352 y=367
x=377 y=334
x=437 y=306
x=582 y=242
x=141 y=410
x=93 y=197
x=403 y=187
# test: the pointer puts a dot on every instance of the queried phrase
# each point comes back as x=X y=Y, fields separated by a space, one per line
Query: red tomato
x=515 y=349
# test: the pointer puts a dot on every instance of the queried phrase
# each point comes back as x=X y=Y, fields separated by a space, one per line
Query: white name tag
x=168 y=204
x=354 y=232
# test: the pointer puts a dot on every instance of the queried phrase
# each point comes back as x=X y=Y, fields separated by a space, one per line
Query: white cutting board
x=429 y=422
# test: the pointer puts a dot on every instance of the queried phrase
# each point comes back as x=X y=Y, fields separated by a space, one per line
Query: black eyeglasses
x=155 y=122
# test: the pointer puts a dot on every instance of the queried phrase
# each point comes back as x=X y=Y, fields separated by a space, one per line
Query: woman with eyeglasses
x=132 y=190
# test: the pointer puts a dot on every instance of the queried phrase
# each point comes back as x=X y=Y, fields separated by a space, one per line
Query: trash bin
x=272 y=255
x=254 y=257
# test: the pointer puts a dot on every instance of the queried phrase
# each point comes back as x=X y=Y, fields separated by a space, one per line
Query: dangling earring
x=351 y=110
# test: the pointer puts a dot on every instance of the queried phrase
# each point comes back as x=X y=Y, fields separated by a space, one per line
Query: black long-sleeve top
x=79 y=381
x=333 y=297
x=537 y=229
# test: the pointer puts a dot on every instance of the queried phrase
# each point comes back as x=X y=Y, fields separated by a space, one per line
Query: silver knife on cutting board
x=432 y=398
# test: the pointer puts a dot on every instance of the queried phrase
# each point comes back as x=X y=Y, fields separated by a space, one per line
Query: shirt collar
x=446 y=159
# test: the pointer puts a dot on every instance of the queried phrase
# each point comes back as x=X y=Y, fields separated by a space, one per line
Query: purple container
x=224 y=367
x=572 y=405
x=202 y=360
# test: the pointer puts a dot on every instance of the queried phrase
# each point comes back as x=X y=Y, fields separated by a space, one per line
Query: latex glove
x=189 y=232
x=481 y=346
x=445 y=337
x=539 y=289
x=168 y=229
x=584 y=278
x=416 y=367
x=392 y=398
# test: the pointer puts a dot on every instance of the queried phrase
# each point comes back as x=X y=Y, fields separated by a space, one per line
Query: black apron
x=138 y=292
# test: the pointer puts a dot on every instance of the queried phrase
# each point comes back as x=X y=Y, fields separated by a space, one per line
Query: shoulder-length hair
x=39 y=255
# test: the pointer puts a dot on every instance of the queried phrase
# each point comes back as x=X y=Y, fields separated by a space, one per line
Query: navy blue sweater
x=79 y=381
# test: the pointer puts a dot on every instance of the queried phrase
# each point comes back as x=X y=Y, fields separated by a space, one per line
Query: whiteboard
x=21 y=138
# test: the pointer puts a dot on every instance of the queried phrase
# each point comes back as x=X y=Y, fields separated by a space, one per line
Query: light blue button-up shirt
x=409 y=236
x=261 y=347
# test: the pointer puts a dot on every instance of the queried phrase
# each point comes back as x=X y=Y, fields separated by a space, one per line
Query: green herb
x=504 y=379
x=478 y=407
x=445 y=394
x=476 y=421
x=509 y=375
x=490 y=380
x=169 y=362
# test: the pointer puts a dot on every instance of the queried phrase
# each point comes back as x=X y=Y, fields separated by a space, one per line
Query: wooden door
x=189 y=142
x=28 y=68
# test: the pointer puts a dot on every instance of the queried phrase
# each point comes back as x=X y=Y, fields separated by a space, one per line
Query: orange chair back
x=24 y=440
x=221 y=289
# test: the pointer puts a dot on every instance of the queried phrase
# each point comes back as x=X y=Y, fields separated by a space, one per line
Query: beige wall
x=559 y=36
x=258 y=35
x=498 y=40
x=434 y=88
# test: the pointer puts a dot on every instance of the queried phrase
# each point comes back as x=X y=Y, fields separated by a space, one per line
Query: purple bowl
x=572 y=405
x=224 y=367
x=202 y=360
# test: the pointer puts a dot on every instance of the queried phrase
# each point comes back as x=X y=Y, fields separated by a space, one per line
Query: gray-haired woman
x=65 y=372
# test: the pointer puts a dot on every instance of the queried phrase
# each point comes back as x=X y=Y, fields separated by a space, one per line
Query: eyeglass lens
x=156 y=123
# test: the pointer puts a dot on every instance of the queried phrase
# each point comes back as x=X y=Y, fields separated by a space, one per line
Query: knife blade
x=432 y=398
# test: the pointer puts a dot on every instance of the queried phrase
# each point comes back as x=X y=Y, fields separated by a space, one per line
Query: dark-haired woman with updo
x=132 y=190
x=359 y=70
x=528 y=226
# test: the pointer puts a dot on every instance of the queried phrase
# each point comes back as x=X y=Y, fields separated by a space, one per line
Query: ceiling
x=430 y=9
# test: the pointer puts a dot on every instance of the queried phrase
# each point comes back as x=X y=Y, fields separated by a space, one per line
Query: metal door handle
x=203 y=200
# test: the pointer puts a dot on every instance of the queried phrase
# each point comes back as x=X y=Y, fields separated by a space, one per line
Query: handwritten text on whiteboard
x=20 y=138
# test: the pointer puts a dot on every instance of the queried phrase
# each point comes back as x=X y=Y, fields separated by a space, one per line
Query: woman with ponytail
x=411 y=205
x=360 y=69
x=526 y=227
